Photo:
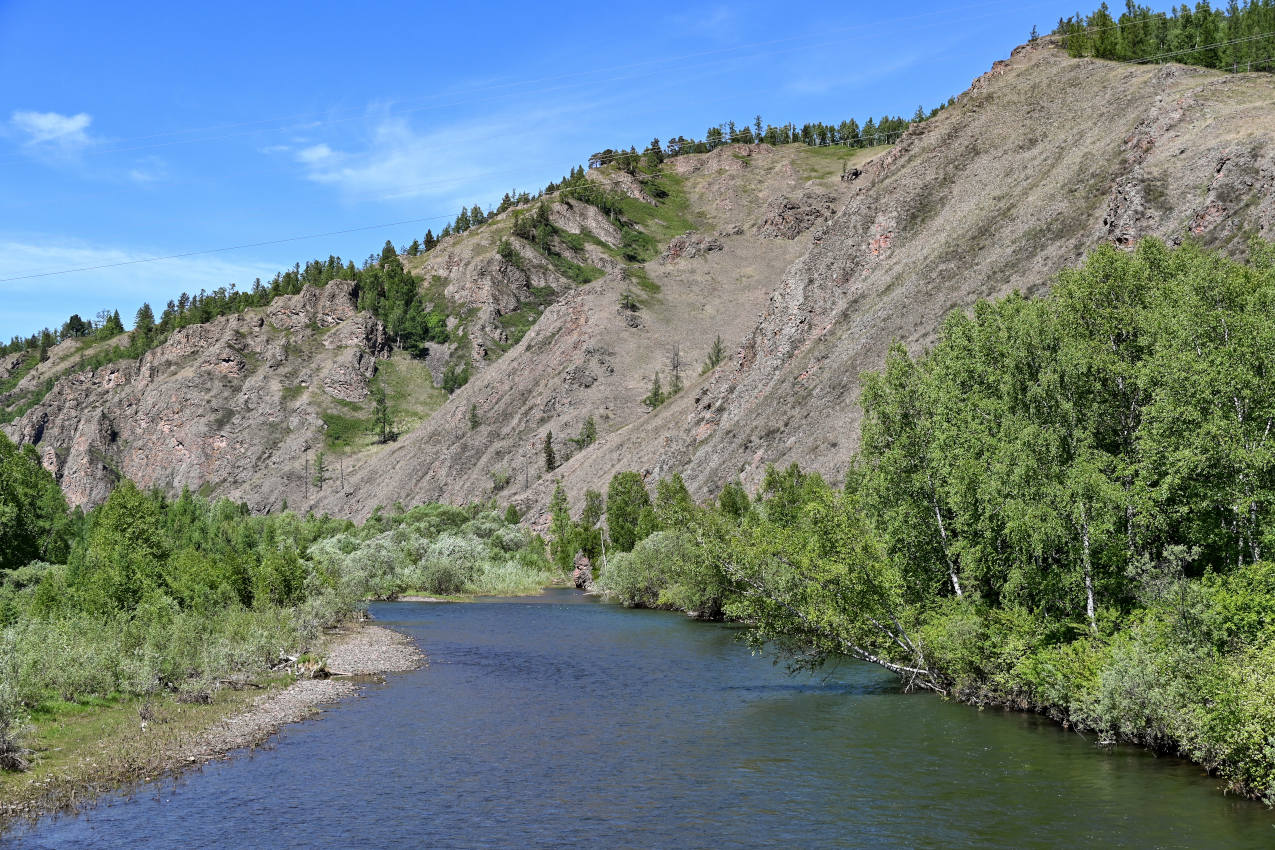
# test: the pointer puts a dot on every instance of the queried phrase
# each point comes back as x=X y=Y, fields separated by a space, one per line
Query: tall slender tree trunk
x=1088 y=563
x=951 y=568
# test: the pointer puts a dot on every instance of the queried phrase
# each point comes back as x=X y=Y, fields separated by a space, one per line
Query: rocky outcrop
x=992 y=195
x=690 y=245
x=582 y=572
x=225 y=404
x=806 y=278
x=787 y=217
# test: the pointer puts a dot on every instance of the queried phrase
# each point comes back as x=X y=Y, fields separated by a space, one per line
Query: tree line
x=163 y=598
x=1239 y=37
x=849 y=133
x=1066 y=505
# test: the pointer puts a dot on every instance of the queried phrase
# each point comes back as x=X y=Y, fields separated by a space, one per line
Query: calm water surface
x=561 y=722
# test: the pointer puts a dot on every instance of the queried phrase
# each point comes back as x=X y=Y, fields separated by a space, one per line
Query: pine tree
x=675 y=370
x=473 y=417
x=320 y=471
x=656 y=396
x=414 y=248
x=716 y=354
x=551 y=459
x=144 y=323
x=588 y=434
x=388 y=253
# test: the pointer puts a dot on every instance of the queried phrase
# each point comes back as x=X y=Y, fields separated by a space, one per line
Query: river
x=558 y=721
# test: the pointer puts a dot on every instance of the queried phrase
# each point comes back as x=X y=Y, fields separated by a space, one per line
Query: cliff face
x=227 y=404
x=807 y=279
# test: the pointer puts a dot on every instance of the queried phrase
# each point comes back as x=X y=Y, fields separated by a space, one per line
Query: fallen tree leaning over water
x=1064 y=506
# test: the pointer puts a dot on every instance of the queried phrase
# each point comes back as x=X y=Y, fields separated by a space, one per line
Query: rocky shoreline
x=355 y=653
x=359 y=651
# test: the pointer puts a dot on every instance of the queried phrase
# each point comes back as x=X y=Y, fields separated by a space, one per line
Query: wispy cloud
x=36 y=302
x=829 y=77
x=396 y=160
x=52 y=132
x=148 y=170
x=718 y=23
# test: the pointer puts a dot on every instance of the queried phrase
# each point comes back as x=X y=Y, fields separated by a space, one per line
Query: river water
x=558 y=721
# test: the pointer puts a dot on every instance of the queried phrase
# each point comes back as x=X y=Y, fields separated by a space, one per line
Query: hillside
x=1043 y=158
x=806 y=278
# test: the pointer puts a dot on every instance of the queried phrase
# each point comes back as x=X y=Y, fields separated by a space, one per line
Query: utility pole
x=307 y=477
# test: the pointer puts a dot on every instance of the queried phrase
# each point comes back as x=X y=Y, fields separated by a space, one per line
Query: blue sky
x=151 y=129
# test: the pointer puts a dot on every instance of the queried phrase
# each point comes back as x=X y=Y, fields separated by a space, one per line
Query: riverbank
x=85 y=751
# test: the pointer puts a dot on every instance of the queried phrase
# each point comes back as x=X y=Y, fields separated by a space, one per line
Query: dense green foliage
x=145 y=595
x=1066 y=506
x=1240 y=37
x=437 y=549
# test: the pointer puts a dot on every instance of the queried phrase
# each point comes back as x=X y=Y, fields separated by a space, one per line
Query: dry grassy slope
x=1044 y=158
x=587 y=357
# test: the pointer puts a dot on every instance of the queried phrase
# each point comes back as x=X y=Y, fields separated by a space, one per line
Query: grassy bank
x=80 y=750
x=1066 y=506
x=173 y=611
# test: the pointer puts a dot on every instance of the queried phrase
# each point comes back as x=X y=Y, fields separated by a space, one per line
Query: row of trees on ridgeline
x=1068 y=505
x=1239 y=37
x=850 y=133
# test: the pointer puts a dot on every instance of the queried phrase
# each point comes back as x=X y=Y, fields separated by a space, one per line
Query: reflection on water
x=558 y=722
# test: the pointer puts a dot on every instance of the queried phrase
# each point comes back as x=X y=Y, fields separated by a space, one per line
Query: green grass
x=409 y=389
x=7 y=385
x=517 y=322
x=670 y=215
x=643 y=280
x=82 y=748
x=827 y=161
x=345 y=433
x=577 y=273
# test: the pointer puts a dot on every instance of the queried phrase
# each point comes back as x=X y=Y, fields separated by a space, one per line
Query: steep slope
x=807 y=278
x=230 y=405
x=587 y=356
x=1044 y=158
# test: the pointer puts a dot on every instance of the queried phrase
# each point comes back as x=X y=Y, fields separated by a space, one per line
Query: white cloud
x=52 y=131
x=314 y=154
x=397 y=161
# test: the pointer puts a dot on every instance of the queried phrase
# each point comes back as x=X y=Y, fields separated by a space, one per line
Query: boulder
x=583 y=572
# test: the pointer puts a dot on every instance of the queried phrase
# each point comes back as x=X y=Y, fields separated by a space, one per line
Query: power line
x=1197 y=49
x=222 y=250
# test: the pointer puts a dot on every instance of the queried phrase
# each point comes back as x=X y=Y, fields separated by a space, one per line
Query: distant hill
x=566 y=312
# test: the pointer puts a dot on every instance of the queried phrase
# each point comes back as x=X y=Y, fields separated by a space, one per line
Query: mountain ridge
x=807 y=277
